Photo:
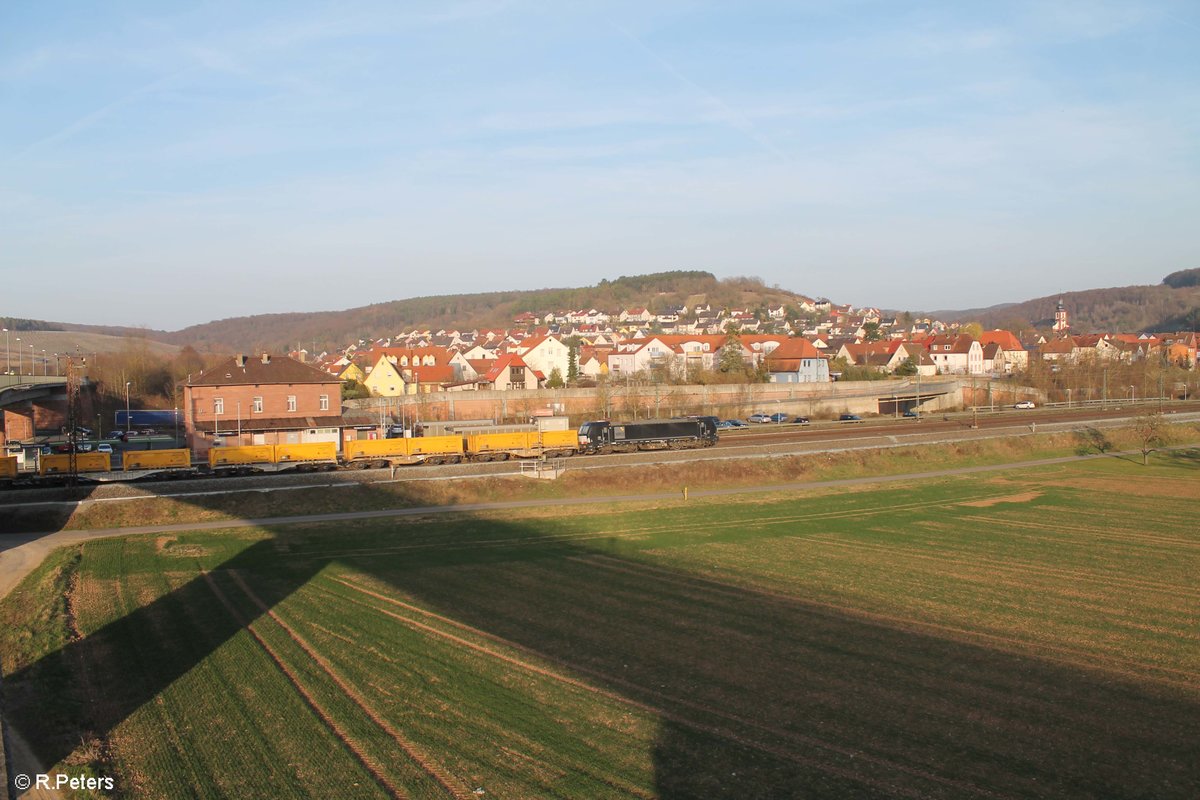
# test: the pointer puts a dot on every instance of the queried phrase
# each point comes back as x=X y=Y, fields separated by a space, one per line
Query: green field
x=1032 y=634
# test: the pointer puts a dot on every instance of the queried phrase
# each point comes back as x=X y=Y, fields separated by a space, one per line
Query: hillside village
x=805 y=342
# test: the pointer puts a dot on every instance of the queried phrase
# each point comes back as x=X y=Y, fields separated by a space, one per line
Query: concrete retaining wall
x=633 y=401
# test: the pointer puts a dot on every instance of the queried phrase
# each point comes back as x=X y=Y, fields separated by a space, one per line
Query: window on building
x=324 y=402
x=257 y=405
x=291 y=402
x=218 y=405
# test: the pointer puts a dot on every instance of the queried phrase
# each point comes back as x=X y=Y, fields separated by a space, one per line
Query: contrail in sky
x=734 y=118
x=87 y=121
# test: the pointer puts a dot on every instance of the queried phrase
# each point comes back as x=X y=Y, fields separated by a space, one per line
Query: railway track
x=958 y=420
x=779 y=441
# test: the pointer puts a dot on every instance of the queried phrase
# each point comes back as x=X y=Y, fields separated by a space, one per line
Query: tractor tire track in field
x=582 y=768
x=353 y=747
x=1083 y=659
x=1020 y=567
x=663 y=711
x=423 y=760
x=305 y=556
x=1147 y=540
x=160 y=706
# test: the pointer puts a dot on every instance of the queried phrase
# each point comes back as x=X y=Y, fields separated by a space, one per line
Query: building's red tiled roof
x=441 y=373
x=1006 y=339
x=505 y=361
x=252 y=371
x=794 y=348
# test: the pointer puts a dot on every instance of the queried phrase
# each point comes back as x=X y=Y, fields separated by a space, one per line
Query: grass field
x=1030 y=634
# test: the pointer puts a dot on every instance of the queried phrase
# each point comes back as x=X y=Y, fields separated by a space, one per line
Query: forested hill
x=465 y=311
x=1121 y=309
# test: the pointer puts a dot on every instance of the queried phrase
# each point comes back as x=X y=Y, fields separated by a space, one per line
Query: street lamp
x=127 y=426
x=7 y=358
x=45 y=364
x=20 y=357
x=1132 y=394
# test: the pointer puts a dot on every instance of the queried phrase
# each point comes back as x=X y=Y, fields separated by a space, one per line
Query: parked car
x=910 y=413
x=104 y=447
x=759 y=417
x=148 y=432
x=83 y=447
x=850 y=418
x=1025 y=404
x=779 y=417
x=731 y=423
x=800 y=420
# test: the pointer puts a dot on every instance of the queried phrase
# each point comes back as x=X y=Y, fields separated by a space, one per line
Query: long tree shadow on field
x=757 y=695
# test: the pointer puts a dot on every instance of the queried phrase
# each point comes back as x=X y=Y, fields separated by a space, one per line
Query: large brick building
x=263 y=400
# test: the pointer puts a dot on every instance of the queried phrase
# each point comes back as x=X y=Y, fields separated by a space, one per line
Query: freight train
x=598 y=437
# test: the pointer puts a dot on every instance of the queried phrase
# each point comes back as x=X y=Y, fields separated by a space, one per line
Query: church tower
x=1060 y=317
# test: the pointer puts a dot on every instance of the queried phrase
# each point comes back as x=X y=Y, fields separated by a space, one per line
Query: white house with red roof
x=1007 y=353
x=510 y=372
x=956 y=354
x=797 y=361
x=544 y=354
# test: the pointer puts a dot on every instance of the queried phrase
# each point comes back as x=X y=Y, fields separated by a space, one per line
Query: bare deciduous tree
x=1149 y=431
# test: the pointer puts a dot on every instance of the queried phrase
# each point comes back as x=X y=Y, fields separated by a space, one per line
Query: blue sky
x=164 y=164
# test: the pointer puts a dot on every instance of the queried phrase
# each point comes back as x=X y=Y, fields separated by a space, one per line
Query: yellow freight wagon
x=376 y=450
x=307 y=453
x=499 y=446
x=157 y=459
x=435 y=449
x=241 y=456
x=8 y=467
x=84 y=462
x=559 y=443
x=521 y=444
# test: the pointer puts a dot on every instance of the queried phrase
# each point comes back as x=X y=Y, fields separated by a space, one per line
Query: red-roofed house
x=1008 y=355
x=797 y=361
x=956 y=354
x=510 y=372
x=544 y=354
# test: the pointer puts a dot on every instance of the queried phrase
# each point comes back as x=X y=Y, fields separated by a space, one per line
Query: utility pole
x=918 y=391
x=974 y=405
x=73 y=381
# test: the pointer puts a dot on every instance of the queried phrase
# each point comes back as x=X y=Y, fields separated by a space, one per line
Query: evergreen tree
x=555 y=381
x=730 y=360
x=573 y=363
